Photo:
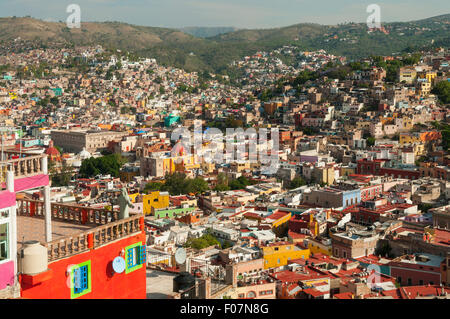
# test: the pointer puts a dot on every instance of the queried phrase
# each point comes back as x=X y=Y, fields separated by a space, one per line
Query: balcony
x=75 y=229
x=29 y=170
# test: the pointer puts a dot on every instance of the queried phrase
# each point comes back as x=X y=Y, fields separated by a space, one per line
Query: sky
x=237 y=13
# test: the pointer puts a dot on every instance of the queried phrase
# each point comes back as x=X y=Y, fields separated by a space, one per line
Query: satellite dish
x=118 y=265
x=180 y=256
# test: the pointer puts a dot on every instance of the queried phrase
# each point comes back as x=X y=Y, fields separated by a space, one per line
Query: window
x=278 y=261
x=134 y=257
x=4 y=241
x=431 y=283
x=421 y=282
x=344 y=253
x=241 y=296
x=409 y=281
x=81 y=280
x=399 y=279
x=251 y=294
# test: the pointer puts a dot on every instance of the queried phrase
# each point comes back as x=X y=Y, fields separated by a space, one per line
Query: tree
x=222 y=183
x=384 y=250
x=177 y=184
x=445 y=131
x=63 y=177
x=197 y=185
x=227 y=244
x=296 y=183
x=424 y=207
x=109 y=164
x=370 y=141
x=240 y=183
x=204 y=241
x=152 y=186
x=54 y=100
x=442 y=90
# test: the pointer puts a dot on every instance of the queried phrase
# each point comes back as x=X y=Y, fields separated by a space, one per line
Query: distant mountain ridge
x=207 y=32
x=214 y=53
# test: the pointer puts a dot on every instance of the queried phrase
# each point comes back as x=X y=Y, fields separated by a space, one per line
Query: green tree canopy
x=297 y=182
x=109 y=164
x=442 y=90
x=204 y=241
x=178 y=183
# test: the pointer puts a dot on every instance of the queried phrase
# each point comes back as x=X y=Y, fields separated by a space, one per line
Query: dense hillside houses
x=114 y=167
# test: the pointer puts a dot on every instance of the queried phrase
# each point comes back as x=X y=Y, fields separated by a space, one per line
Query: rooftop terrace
x=75 y=228
x=24 y=166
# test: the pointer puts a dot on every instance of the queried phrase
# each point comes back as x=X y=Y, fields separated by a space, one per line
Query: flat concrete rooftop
x=33 y=228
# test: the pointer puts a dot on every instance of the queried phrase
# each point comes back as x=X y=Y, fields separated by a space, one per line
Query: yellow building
x=347 y=170
x=278 y=254
x=207 y=168
x=155 y=200
x=324 y=175
x=428 y=75
x=409 y=138
x=319 y=247
x=419 y=149
x=423 y=88
x=133 y=197
x=406 y=123
x=240 y=166
x=407 y=74
x=363 y=125
x=278 y=221
x=128 y=176
x=183 y=163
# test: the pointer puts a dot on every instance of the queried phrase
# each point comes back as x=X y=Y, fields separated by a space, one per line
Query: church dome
x=52 y=152
x=84 y=154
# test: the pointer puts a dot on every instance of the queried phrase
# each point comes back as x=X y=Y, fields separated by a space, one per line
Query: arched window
x=251 y=294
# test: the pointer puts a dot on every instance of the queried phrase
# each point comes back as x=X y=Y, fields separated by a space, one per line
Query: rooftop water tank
x=184 y=281
x=34 y=258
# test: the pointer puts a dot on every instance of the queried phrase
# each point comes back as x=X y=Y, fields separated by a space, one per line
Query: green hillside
x=176 y=48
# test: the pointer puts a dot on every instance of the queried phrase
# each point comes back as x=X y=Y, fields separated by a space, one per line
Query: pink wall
x=250 y=266
x=6 y=274
x=25 y=183
x=257 y=289
x=21 y=184
x=7 y=199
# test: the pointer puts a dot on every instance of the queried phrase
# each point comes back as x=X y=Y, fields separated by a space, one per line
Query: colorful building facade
x=280 y=253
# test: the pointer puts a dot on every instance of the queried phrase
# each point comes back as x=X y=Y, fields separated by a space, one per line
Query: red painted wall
x=105 y=284
x=403 y=173
x=427 y=274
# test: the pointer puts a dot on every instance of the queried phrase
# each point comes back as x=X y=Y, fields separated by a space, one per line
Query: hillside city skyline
x=299 y=162
x=217 y=13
